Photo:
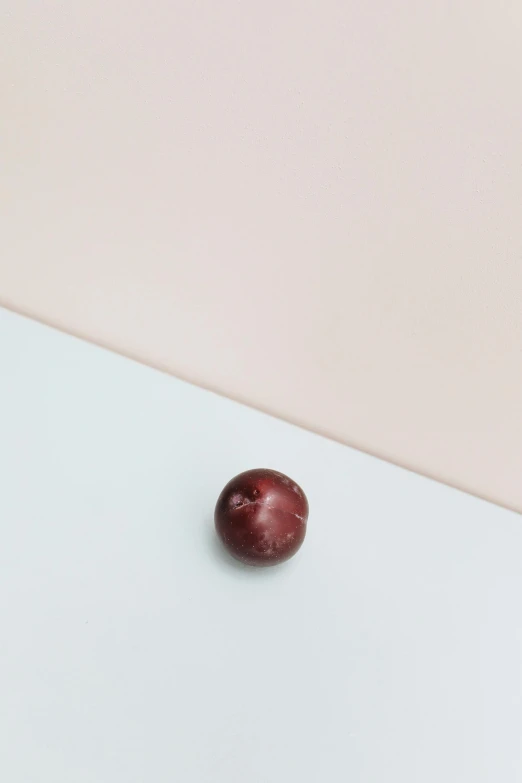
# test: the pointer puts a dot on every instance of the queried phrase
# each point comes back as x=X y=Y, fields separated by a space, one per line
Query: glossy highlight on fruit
x=261 y=517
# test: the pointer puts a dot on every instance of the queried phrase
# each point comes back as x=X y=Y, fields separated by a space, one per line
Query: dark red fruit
x=261 y=517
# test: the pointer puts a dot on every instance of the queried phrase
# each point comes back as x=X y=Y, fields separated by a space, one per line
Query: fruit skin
x=261 y=517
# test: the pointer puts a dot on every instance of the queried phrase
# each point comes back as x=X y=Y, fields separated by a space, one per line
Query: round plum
x=261 y=517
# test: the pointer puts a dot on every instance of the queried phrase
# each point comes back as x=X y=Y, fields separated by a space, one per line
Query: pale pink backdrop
x=313 y=207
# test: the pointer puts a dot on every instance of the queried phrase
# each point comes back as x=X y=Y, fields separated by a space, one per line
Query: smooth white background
x=132 y=649
x=313 y=206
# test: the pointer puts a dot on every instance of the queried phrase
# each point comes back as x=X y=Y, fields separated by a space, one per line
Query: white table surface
x=131 y=647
